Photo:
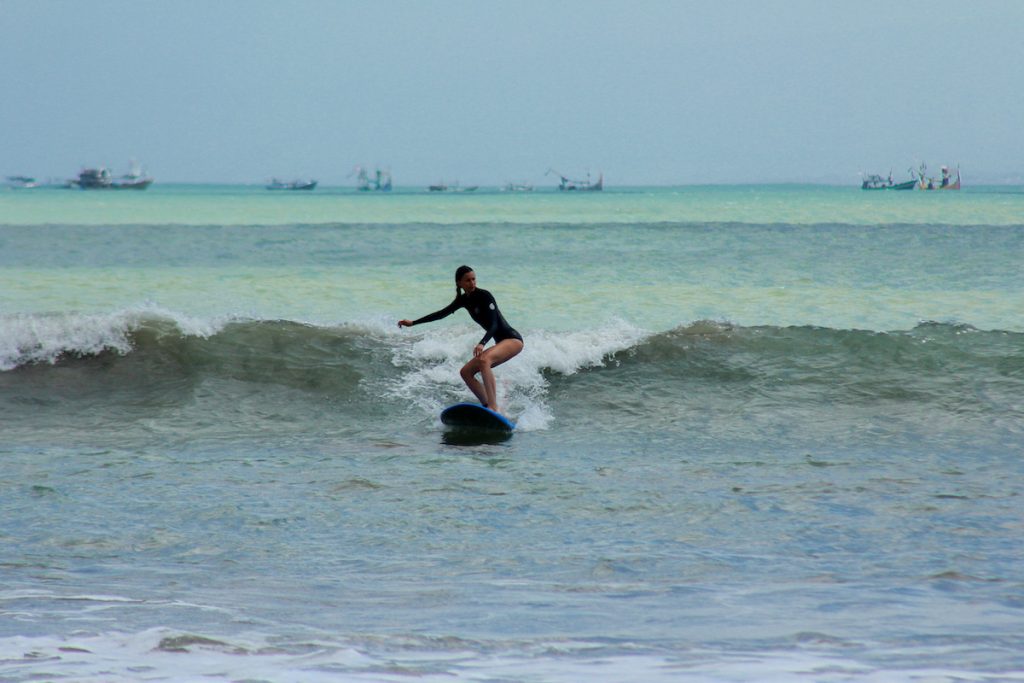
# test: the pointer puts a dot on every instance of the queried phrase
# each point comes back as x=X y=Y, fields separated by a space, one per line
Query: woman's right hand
x=405 y=323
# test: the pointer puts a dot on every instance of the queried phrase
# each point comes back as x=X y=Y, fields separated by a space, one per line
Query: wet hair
x=459 y=272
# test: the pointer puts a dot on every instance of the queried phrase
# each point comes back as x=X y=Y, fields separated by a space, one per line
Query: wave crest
x=28 y=339
x=162 y=356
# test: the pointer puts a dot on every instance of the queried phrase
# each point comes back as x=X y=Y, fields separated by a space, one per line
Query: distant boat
x=454 y=187
x=945 y=182
x=102 y=179
x=570 y=185
x=518 y=187
x=378 y=181
x=21 y=182
x=276 y=184
x=877 y=182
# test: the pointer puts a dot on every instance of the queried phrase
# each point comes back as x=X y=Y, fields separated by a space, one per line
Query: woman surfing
x=482 y=308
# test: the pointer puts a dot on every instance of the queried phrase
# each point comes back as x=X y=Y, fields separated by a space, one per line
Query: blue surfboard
x=475 y=416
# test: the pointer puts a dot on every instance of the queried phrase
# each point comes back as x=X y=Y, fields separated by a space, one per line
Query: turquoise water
x=212 y=205
x=765 y=433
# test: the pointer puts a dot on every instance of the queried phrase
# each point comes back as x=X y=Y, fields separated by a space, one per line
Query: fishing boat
x=567 y=184
x=276 y=184
x=378 y=181
x=135 y=179
x=945 y=182
x=102 y=179
x=877 y=182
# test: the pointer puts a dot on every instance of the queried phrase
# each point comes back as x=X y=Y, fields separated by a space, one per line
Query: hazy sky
x=649 y=92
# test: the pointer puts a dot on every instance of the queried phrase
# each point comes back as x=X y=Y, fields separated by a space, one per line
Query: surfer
x=482 y=308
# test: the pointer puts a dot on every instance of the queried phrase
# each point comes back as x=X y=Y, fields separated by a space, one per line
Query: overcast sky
x=648 y=92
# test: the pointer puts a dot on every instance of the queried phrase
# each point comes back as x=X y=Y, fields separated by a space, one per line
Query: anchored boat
x=567 y=184
x=276 y=184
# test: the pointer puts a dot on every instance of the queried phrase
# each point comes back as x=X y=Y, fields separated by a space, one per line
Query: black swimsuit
x=484 y=310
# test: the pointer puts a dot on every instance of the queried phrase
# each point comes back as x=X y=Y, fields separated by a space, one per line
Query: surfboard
x=475 y=416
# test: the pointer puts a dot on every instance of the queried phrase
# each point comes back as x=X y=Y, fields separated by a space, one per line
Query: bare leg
x=490 y=386
x=478 y=390
x=487 y=392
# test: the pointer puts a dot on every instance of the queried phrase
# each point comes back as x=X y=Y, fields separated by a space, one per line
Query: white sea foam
x=433 y=358
x=165 y=654
x=429 y=359
x=45 y=338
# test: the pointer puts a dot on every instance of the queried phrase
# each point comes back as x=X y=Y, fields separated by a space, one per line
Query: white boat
x=454 y=187
x=21 y=182
x=518 y=187
x=276 y=184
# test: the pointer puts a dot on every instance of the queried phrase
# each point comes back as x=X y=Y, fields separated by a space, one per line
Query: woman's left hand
x=477 y=350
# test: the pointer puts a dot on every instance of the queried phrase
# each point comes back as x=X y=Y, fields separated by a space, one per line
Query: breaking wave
x=953 y=368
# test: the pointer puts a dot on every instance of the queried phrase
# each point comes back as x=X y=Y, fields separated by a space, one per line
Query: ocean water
x=765 y=434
